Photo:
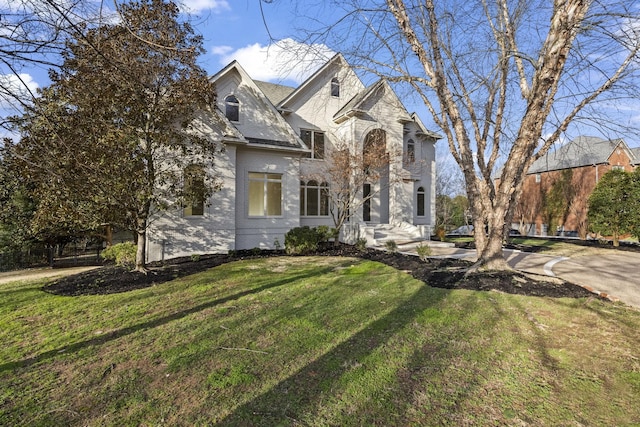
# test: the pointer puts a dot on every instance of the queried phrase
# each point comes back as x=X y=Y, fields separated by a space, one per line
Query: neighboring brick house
x=548 y=201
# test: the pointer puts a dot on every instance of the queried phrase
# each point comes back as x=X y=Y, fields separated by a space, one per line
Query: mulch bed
x=441 y=273
x=604 y=244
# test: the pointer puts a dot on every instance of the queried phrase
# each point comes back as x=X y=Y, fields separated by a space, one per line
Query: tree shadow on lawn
x=298 y=398
x=432 y=383
x=113 y=335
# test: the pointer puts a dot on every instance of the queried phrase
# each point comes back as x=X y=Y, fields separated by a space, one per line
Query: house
x=273 y=137
x=557 y=186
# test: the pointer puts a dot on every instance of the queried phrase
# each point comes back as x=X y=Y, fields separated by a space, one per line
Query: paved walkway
x=616 y=274
x=39 y=273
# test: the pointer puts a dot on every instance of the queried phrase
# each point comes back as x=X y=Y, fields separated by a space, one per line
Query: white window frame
x=411 y=152
x=318 y=189
x=266 y=178
x=335 y=87
x=312 y=142
x=423 y=205
x=235 y=104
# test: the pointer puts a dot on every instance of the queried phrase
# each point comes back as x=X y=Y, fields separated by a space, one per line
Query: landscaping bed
x=440 y=273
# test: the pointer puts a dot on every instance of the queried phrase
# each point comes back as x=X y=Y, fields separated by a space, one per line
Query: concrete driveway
x=616 y=274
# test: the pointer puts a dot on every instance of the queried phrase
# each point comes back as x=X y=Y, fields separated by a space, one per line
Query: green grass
x=314 y=341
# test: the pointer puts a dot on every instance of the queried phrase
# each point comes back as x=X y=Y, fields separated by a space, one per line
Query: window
x=411 y=151
x=232 y=108
x=538 y=178
x=314 y=198
x=315 y=141
x=335 y=87
x=421 y=201
x=265 y=194
x=194 y=190
x=374 y=150
x=617 y=168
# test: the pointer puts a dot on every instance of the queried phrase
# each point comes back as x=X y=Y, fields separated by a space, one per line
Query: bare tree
x=449 y=179
x=502 y=79
x=348 y=169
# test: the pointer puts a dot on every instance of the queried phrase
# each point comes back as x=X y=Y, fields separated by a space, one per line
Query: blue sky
x=236 y=29
x=232 y=29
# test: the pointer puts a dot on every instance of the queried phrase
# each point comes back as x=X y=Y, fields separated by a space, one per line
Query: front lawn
x=314 y=341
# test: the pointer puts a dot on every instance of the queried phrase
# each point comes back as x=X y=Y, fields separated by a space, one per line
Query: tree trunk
x=142 y=243
x=108 y=234
x=616 y=239
x=490 y=233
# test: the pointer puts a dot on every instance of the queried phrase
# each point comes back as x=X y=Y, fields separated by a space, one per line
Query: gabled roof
x=354 y=103
x=285 y=137
x=334 y=60
x=422 y=127
x=355 y=106
x=582 y=151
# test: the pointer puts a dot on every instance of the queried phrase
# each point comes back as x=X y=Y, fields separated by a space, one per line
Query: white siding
x=174 y=235
x=262 y=232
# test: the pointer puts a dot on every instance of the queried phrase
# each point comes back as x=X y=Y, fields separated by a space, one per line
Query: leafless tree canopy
x=502 y=79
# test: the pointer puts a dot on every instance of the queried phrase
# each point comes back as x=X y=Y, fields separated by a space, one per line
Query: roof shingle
x=582 y=151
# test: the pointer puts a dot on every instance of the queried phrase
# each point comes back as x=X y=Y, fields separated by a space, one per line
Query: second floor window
x=232 y=108
x=411 y=152
x=335 y=87
x=315 y=141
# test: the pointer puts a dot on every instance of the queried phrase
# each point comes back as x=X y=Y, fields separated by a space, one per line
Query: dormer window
x=335 y=87
x=232 y=108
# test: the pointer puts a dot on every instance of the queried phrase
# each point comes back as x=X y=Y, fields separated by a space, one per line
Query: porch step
x=406 y=236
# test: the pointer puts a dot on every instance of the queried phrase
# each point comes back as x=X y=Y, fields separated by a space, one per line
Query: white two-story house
x=274 y=137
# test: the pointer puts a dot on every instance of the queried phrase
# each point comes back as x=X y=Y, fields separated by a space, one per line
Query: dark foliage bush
x=302 y=240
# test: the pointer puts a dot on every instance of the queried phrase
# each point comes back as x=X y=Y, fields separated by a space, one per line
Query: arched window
x=314 y=198
x=335 y=87
x=232 y=108
x=374 y=149
x=421 y=201
x=411 y=151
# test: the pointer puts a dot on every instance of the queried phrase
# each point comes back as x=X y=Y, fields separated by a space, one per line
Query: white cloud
x=196 y=6
x=14 y=87
x=284 y=60
x=221 y=50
